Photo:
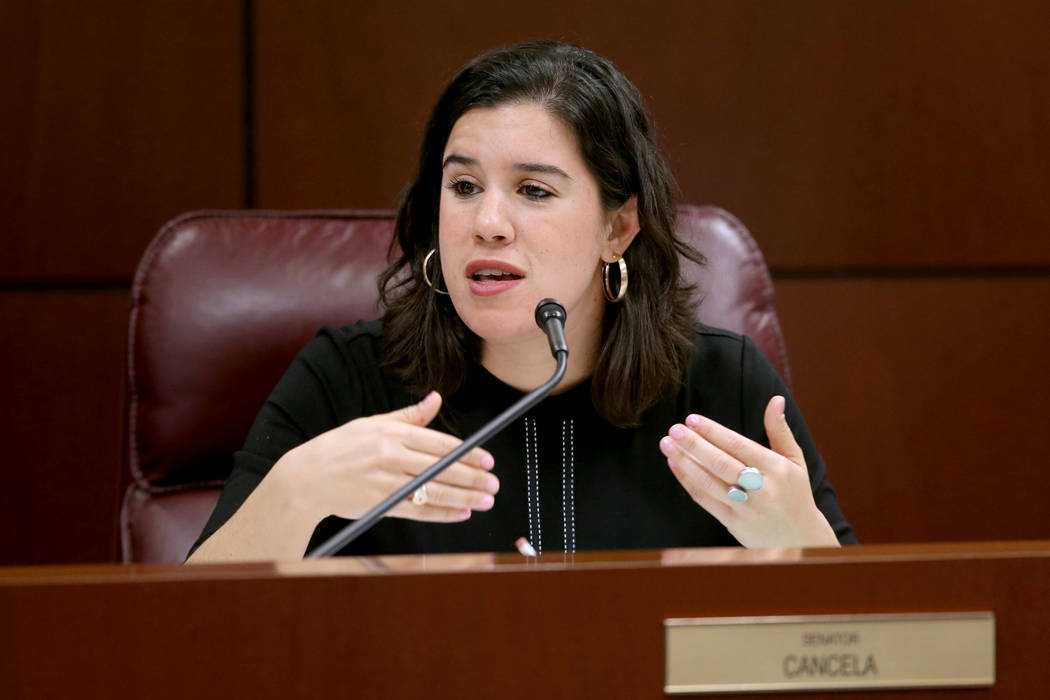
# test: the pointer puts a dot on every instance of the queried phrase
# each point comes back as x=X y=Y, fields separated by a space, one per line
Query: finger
x=717 y=461
x=421 y=413
x=437 y=444
x=454 y=498
x=457 y=474
x=468 y=477
x=781 y=439
x=430 y=513
x=747 y=451
x=407 y=424
x=709 y=492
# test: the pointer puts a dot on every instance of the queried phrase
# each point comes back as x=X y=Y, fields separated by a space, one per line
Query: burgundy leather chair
x=222 y=301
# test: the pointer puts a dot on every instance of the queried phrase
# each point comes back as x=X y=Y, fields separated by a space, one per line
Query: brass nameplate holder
x=829 y=652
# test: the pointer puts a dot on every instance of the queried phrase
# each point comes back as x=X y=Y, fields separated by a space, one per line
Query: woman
x=538 y=178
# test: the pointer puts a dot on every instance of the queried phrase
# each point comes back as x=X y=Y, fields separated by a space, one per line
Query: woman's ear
x=623 y=226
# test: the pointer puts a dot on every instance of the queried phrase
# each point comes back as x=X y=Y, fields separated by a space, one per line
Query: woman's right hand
x=350 y=469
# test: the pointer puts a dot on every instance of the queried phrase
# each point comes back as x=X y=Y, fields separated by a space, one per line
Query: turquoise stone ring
x=750 y=479
x=737 y=494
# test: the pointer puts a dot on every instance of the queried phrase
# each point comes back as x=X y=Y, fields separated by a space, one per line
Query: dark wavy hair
x=646 y=339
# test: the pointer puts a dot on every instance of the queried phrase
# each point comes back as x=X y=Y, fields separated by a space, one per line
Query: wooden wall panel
x=118 y=116
x=927 y=398
x=846 y=135
x=61 y=364
x=344 y=89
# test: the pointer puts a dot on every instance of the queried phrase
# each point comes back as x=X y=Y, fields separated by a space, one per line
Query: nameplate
x=829 y=652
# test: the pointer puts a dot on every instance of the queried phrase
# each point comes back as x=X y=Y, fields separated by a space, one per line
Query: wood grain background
x=891 y=159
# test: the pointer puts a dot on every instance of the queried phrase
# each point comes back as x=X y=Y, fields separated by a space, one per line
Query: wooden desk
x=474 y=626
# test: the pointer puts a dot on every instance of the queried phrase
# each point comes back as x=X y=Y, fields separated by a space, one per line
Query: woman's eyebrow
x=542 y=168
x=458 y=159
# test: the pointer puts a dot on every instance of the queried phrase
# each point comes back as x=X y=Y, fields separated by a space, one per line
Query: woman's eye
x=534 y=192
x=463 y=188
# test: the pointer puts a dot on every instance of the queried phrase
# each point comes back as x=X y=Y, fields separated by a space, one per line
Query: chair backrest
x=222 y=301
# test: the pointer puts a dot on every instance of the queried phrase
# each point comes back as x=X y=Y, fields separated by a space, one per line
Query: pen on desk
x=524 y=547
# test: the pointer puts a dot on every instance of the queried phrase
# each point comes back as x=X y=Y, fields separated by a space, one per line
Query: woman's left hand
x=707 y=459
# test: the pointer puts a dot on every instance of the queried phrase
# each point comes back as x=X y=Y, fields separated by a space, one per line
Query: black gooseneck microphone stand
x=550 y=316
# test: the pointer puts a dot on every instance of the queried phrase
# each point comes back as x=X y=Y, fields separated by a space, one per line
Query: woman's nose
x=492 y=222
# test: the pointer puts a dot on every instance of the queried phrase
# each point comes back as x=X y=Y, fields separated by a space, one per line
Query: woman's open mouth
x=488 y=277
x=491 y=275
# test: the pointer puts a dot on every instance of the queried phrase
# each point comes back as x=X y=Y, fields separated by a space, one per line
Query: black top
x=568 y=479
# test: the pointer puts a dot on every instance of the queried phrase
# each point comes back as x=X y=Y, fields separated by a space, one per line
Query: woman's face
x=521 y=220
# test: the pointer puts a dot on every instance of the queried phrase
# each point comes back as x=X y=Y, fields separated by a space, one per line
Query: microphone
x=550 y=316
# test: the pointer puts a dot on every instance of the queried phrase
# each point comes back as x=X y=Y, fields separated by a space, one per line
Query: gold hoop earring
x=426 y=277
x=621 y=287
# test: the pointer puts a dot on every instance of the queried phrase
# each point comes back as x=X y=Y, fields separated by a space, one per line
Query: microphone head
x=548 y=309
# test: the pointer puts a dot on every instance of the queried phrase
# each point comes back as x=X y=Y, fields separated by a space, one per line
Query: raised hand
x=349 y=469
x=708 y=458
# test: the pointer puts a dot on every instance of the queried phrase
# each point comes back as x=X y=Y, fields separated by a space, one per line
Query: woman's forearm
x=271 y=524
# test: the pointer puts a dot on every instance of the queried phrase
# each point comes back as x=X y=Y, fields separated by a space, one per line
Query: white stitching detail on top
x=564 y=493
x=536 y=472
x=570 y=546
x=532 y=483
x=528 y=481
x=568 y=486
